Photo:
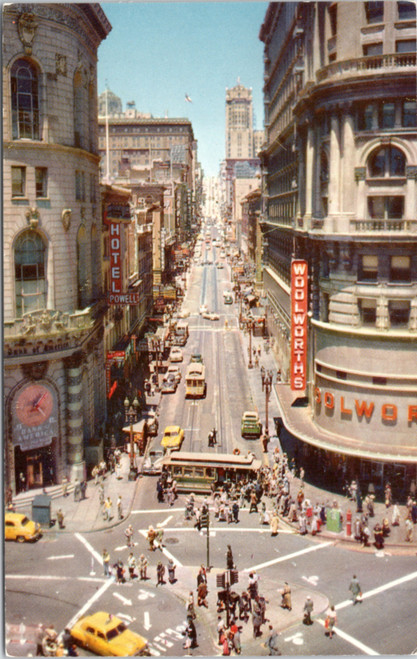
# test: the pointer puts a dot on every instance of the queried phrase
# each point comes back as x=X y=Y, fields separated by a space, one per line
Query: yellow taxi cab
x=173 y=438
x=21 y=528
x=108 y=636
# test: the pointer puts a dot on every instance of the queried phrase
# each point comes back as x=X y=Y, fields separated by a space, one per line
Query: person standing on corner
x=308 y=610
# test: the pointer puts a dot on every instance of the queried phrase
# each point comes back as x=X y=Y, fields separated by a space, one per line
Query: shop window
x=405 y=46
x=374 y=11
x=30 y=285
x=18 y=181
x=389 y=208
x=386 y=162
x=367 y=311
x=399 y=312
x=409 y=114
x=406 y=11
x=400 y=269
x=25 y=100
x=372 y=49
x=41 y=181
x=368 y=267
x=386 y=118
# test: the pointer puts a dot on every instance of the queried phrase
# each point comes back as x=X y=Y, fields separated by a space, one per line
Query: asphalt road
x=61 y=577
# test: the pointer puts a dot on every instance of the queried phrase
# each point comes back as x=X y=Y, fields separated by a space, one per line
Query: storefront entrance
x=37 y=466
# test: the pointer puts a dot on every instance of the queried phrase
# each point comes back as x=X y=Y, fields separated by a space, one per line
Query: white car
x=184 y=313
x=174 y=372
x=203 y=309
x=175 y=355
x=211 y=315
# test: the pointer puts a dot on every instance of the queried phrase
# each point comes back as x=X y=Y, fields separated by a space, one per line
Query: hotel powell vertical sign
x=299 y=307
x=116 y=216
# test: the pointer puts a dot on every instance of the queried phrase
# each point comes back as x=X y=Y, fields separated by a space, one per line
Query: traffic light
x=204 y=519
x=234 y=576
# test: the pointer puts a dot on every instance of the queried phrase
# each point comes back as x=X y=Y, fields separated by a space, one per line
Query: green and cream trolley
x=197 y=472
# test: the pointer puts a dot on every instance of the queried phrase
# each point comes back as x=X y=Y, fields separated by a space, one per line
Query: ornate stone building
x=340 y=191
x=54 y=387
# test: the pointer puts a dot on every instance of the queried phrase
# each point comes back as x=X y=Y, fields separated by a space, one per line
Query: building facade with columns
x=340 y=192
x=54 y=387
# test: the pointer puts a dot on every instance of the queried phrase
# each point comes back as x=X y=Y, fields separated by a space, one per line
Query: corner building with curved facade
x=340 y=191
x=54 y=387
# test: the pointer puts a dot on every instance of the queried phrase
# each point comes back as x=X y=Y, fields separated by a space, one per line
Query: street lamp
x=250 y=327
x=267 y=377
x=131 y=416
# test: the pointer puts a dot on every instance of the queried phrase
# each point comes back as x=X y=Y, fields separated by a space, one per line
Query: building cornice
x=26 y=145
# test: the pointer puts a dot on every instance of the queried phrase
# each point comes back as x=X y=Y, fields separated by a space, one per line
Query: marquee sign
x=299 y=307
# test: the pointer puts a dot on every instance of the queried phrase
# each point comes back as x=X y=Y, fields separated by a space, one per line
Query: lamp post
x=250 y=326
x=131 y=416
x=266 y=386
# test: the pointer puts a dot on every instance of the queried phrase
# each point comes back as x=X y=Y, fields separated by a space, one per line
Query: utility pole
x=266 y=386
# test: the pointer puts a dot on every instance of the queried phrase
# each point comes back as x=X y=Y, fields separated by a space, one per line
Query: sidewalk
x=395 y=540
x=83 y=516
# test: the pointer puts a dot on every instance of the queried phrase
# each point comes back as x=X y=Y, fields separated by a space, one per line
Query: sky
x=157 y=52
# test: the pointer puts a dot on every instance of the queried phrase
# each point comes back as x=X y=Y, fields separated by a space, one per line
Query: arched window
x=82 y=275
x=386 y=162
x=80 y=110
x=25 y=100
x=30 y=267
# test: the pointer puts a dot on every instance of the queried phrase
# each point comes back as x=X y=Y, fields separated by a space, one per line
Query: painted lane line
x=289 y=556
x=157 y=510
x=123 y=599
x=89 y=547
x=165 y=522
x=57 y=558
x=89 y=602
x=146 y=620
x=165 y=552
x=353 y=641
x=50 y=577
x=379 y=589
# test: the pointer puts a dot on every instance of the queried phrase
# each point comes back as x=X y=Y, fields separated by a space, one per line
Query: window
x=405 y=46
x=386 y=162
x=372 y=49
x=82 y=248
x=79 y=186
x=406 y=10
x=367 y=311
x=25 y=100
x=18 y=181
x=386 y=118
x=333 y=19
x=41 y=181
x=368 y=267
x=399 y=312
x=374 y=11
x=379 y=380
x=365 y=117
x=409 y=114
x=391 y=208
x=29 y=256
x=400 y=269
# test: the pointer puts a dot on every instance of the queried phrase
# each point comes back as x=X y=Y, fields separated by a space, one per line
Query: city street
x=61 y=577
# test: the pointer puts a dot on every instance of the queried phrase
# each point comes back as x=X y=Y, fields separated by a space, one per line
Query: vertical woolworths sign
x=299 y=307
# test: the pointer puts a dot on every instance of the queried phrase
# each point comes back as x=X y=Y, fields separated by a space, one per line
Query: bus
x=180 y=333
x=198 y=472
x=195 y=383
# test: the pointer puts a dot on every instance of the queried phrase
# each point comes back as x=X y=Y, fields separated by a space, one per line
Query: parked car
x=169 y=386
x=251 y=425
x=175 y=355
x=20 y=528
x=152 y=463
x=173 y=438
x=196 y=357
x=173 y=371
x=211 y=315
x=108 y=636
